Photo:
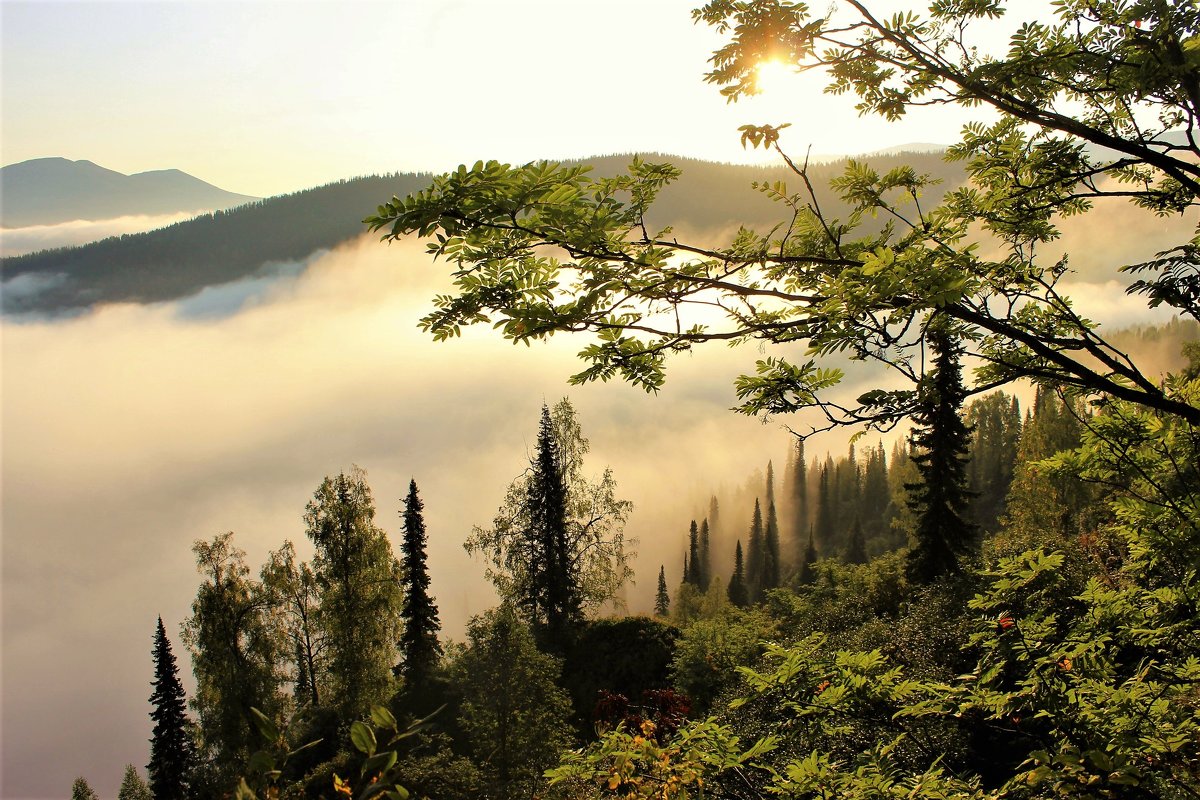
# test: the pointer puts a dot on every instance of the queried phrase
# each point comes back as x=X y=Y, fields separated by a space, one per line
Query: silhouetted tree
x=172 y=752
x=771 y=555
x=797 y=490
x=737 y=582
x=419 y=645
x=756 y=557
x=662 y=600
x=706 y=573
x=943 y=535
x=695 y=574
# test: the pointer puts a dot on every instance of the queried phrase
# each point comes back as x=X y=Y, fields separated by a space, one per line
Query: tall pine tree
x=706 y=573
x=554 y=602
x=944 y=536
x=771 y=565
x=737 y=582
x=756 y=557
x=419 y=639
x=695 y=575
x=172 y=752
x=662 y=600
x=798 y=491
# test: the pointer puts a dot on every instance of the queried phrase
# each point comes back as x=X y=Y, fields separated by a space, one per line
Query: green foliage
x=133 y=787
x=374 y=770
x=82 y=790
x=1081 y=117
x=237 y=655
x=557 y=544
x=513 y=715
x=710 y=650
x=360 y=595
x=662 y=600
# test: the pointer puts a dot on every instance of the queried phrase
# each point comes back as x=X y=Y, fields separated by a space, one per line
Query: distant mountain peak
x=51 y=190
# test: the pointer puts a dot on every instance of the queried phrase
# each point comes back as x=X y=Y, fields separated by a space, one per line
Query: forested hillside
x=224 y=246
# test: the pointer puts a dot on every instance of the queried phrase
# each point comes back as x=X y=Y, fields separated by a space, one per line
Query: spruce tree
x=771 y=556
x=82 y=790
x=756 y=557
x=695 y=574
x=943 y=534
x=555 y=603
x=798 y=491
x=132 y=786
x=706 y=574
x=662 y=600
x=738 y=595
x=419 y=640
x=826 y=522
x=172 y=752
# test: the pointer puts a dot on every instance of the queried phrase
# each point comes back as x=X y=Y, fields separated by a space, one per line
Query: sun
x=772 y=76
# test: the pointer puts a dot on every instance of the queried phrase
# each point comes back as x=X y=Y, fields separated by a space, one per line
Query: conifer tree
x=756 y=557
x=687 y=569
x=695 y=574
x=714 y=515
x=738 y=595
x=132 y=786
x=662 y=600
x=943 y=535
x=172 y=752
x=82 y=790
x=554 y=602
x=419 y=645
x=771 y=555
x=706 y=573
x=797 y=489
x=826 y=522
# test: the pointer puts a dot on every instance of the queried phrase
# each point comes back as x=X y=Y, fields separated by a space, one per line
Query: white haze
x=29 y=239
x=132 y=431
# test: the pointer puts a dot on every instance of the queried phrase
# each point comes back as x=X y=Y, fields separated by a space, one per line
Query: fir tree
x=419 y=639
x=706 y=573
x=714 y=515
x=943 y=534
x=738 y=595
x=798 y=491
x=771 y=565
x=132 y=786
x=695 y=574
x=82 y=790
x=555 y=603
x=172 y=753
x=662 y=600
x=756 y=557
x=826 y=523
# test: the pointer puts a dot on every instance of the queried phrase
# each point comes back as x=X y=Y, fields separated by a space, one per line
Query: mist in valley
x=131 y=431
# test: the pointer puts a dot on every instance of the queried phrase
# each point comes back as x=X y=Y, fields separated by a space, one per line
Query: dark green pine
x=419 y=644
x=172 y=751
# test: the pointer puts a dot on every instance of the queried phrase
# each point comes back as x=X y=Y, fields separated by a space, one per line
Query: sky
x=263 y=98
x=132 y=431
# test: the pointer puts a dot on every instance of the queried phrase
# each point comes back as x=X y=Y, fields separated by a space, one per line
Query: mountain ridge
x=223 y=246
x=53 y=190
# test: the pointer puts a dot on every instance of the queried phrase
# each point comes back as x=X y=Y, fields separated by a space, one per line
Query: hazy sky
x=269 y=97
x=131 y=431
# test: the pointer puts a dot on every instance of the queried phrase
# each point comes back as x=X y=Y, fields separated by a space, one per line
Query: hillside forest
x=1001 y=600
